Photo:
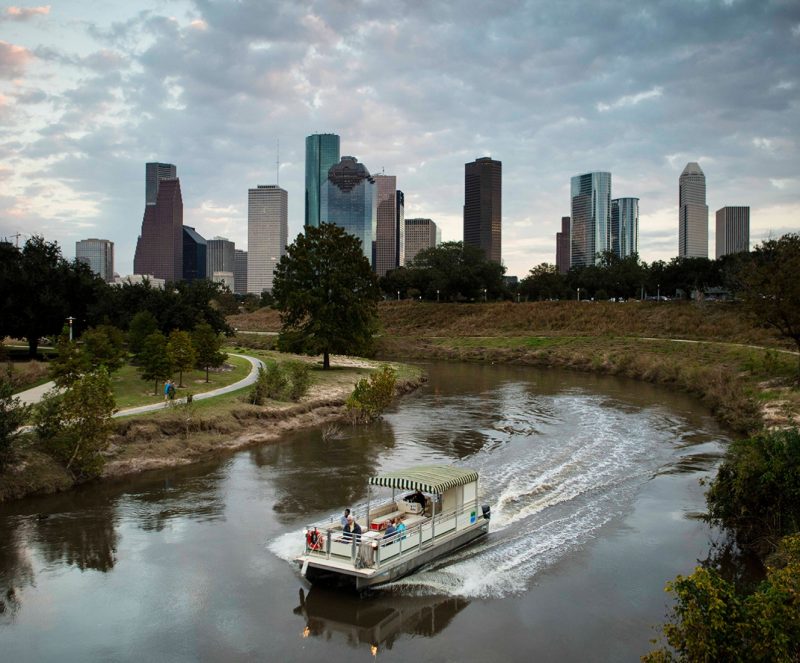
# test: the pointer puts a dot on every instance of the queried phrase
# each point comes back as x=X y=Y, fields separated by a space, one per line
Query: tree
x=70 y=361
x=142 y=325
x=207 y=344
x=12 y=415
x=769 y=286
x=86 y=411
x=154 y=363
x=104 y=345
x=372 y=395
x=544 y=282
x=327 y=294
x=181 y=352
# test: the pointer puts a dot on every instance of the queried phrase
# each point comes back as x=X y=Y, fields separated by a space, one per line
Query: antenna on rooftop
x=278 y=164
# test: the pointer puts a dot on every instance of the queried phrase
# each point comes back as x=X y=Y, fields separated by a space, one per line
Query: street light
x=437 y=295
x=658 y=296
x=398 y=295
x=579 y=294
x=70 y=320
x=484 y=294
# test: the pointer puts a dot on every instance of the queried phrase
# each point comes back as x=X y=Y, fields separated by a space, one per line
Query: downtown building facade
x=389 y=225
x=483 y=181
x=322 y=152
x=194 y=254
x=267 y=235
x=733 y=230
x=220 y=253
x=349 y=200
x=692 y=213
x=420 y=234
x=562 y=246
x=590 y=226
x=154 y=172
x=625 y=226
x=98 y=254
x=240 y=272
x=159 y=249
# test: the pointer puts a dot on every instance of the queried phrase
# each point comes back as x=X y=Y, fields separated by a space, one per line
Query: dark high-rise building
x=349 y=200
x=401 y=229
x=240 y=272
x=562 y=246
x=159 y=250
x=590 y=230
x=220 y=255
x=733 y=230
x=322 y=152
x=482 y=206
x=194 y=255
x=154 y=173
x=625 y=226
x=387 y=234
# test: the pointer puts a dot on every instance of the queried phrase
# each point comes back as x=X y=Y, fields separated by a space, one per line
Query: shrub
x=372 y=395
x=299 y=378
x=12 y=416
x=47 y=415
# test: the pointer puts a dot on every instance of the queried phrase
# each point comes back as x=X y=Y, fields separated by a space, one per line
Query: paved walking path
x=34 y=395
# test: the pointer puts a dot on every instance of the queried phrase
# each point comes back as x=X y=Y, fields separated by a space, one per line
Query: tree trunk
x=180 y=378
x=326 y=361
x=33 y=346
x=155 y=388
x=206 y=373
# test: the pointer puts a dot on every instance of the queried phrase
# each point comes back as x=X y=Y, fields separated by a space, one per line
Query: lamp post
x=579 y=294
x=398 y=295
x=437 y=295
x=658 y=295
x=70 y=320
x=484 y=295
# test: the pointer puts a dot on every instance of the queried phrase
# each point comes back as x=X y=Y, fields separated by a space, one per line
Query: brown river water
x=593 y=484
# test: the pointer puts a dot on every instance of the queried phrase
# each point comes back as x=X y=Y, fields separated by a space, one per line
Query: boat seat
x=378 y=523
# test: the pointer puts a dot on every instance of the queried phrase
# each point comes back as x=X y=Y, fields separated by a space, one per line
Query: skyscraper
x=194 y=254
x=562 y=246
x=220 y=254
x=349 y=200
x=322 y=152
x=401 y=228
x=733 y=230
x=240 y=272
x=267 y=234
x=591 y=217
x=159 y=250
x=625 y=226
x=421 y=234
x=692 y=213
x=387 y=236
x=482 y=206
x=99 y=255
x=154 y=173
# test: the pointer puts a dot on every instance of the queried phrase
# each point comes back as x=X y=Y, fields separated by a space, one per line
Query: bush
x=47 y=415
x=372 y=395
x=289 y=381
x=756 y=492
x=299 y=377
x=12 y=416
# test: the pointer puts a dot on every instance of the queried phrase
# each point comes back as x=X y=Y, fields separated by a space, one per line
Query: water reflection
x=16 y=572
x=87 y=540
x=377 y=620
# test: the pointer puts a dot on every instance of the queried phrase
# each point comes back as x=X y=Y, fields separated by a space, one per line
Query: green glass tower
x=322 y=152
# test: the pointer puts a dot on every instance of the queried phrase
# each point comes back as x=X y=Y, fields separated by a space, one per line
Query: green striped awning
x=429 y=478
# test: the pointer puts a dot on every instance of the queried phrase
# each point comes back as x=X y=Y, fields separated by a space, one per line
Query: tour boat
x=440 y=515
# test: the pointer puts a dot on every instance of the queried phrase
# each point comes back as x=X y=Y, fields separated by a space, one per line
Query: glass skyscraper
x=322 y=152
x=692 y=213
x=483 y=186
x=349 y=199
x=154 y=172
x=194 y=254
x=625 y=226
x=590 y=230
x=99 y=255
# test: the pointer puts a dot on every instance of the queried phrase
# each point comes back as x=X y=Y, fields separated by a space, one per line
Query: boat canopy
x=429 y=478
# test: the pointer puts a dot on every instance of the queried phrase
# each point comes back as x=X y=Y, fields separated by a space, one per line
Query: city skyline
x=86 y=101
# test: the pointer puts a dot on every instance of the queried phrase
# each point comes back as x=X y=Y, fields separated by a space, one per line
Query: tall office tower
x=387 y=237
x=220 y=254
x=401 y=229
x=733 y=230
x=692 y=213
x=322 y=152
x=267 y=234
x=625 y=226
x=154 y=173
x=240 y=272
x=349 y=200
x=482 y=206
x=159 y=250
x=194 y=255
x=591 y=217
x=421 y=234
x=562 y=246
x=99 y=255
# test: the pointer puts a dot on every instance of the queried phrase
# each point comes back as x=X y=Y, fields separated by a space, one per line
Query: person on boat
x=399 y=525
x=419 y=498
x=390 y=529
x=343 y=519
x=352 y=528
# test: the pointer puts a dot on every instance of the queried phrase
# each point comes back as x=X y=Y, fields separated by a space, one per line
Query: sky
x=90 y=90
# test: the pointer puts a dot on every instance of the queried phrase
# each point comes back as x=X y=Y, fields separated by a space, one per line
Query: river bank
x=190 y=433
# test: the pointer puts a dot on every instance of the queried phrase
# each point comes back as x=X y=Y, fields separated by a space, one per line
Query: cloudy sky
x=92 y=89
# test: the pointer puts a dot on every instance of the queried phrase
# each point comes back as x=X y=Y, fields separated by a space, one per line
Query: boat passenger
x=390 y=529
x=399 y=525
x=419 y=498
x=352 y=528
x=343 y=519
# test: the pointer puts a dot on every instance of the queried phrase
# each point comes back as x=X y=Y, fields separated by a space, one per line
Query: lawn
x=130 y=390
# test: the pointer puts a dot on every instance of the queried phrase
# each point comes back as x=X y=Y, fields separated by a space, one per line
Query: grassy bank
x=184 y=434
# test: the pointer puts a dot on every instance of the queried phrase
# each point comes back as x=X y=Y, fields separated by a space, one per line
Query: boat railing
x=372 y=549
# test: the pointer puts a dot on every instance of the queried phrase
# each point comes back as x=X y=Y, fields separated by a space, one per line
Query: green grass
x=130 y=390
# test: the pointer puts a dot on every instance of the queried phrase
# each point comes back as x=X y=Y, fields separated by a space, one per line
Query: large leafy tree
x=181 y=352
x=544 y=282
x=207 y=344
x=154 y=361
x=104 y=345
x=769 y=285
x=12 y=415
x=327 y=294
